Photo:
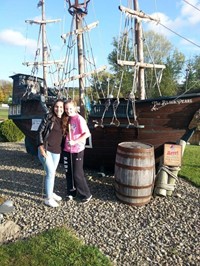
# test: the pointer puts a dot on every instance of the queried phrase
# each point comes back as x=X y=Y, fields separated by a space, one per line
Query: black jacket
x=45 y=128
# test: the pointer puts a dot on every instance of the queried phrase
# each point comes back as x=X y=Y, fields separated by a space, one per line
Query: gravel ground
x=164 y=232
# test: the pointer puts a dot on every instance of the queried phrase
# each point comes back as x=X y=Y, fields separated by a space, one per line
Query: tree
x=5 y=91
x=192 y=77
x=171 y=75
x=2 y=97
x=103 y=85
x=127 y=71
x=156 y=47
x=158 y=50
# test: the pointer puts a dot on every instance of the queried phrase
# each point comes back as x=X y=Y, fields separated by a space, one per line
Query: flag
x=39 y=4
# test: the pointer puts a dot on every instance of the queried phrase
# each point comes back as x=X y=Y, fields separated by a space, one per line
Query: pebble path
x=164 y=232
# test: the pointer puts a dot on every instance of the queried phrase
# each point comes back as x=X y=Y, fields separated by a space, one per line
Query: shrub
x=10 y=132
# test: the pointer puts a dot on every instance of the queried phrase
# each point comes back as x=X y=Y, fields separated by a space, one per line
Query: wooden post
x=44 y=49
x=140 y=55
x=80 y=60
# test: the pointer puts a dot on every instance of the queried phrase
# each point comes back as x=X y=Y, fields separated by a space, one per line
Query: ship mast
x=140 y=54
x=78 y=11
x=79 y=17
x=44 y=48
x=139 y=43
x=45 y=63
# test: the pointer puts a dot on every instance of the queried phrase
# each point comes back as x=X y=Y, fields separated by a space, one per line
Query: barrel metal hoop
x=134 y=155
x=134 y=187
x=129 y=167
x=134 y=204
x=142 y=150
x=133 y=197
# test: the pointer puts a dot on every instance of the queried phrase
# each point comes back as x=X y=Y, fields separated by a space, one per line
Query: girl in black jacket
x=49 y=149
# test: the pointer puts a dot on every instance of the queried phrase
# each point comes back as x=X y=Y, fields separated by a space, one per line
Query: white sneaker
x=86 y=200
x=51 y=202
x=70 y=197
x=56 y=197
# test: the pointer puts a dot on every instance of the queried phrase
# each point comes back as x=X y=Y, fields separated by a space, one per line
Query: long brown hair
x=65 y=123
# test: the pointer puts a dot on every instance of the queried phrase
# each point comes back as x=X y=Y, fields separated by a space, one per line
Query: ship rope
x=158 y=76
x=34 y=70
x=53 y=69
x=127 y=30
x=70 y=75
x=37 y=57
x=25 y=49
x=124 y=39
x=115 y=105
x=69 y=61
x=90 y=65
x=132 y=99
x=107 y=104
x=80 y=9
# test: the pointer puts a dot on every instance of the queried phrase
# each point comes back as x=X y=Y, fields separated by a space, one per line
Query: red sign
x=172 y=154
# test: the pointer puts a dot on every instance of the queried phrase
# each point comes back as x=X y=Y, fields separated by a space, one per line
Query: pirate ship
x=111 y=119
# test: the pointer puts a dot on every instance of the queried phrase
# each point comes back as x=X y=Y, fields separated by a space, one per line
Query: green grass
x=3 y=113
x=190 y=169
x=56 y=247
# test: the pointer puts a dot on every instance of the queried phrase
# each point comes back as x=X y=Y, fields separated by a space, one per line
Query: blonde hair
x=74 y=103
x=66 y=119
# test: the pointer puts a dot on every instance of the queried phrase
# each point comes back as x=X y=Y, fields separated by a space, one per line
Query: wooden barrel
x=134 y=173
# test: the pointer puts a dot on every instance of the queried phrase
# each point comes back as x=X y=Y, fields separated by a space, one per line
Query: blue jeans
x=50 y=165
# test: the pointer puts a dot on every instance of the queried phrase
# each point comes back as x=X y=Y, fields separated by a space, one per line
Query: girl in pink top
x=76 y=133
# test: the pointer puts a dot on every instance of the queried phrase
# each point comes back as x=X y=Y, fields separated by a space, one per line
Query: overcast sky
x=18 y=39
